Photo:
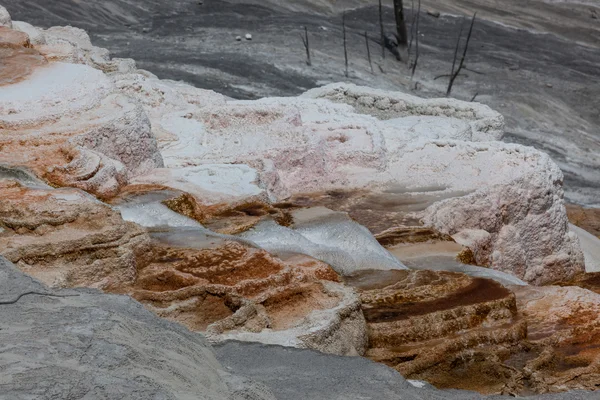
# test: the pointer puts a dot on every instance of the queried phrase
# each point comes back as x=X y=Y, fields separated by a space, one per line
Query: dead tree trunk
x=345 y=47
x=462 y=24
x=368 y=51
x=464 y=55
x=401 y=35
x=414 y=66
x=412 y=26
x=382 y=30
x=306 y=46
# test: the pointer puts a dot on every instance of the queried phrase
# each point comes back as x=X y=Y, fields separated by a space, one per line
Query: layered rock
x=84 y=342
x=207 y=281
x=503 y=195
x=564 y=334
x=68 y=124
x=456 y=331
x=459 y=120
x=228 y=287
x=423 y=323
x=224 y=151
x=65 y=237
x=408 y=169
x=231 y=291
x=298 y=146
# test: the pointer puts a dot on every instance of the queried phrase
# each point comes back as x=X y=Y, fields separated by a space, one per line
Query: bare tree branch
x=462 y=60
x=368 y=51
x=474 y=96
x=462 y=24
x=414 y=67
x=345 y=46
x=382 y=30
x=306 y=46
x=401 y=35
x=412 y=26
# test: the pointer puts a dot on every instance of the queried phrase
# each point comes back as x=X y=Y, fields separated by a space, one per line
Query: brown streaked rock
x=231 y=291
x=12 y=38
x=65 y=124
x=18 y=58
x=66 y=238
x=585 y=218
x=422 y=323
x=564 y=332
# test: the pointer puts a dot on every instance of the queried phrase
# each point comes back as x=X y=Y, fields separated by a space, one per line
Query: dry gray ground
x=537 y=62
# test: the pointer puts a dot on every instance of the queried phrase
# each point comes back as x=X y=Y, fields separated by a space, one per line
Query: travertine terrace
x=331 y=221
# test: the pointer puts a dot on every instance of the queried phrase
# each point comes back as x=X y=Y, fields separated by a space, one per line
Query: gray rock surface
x=90 y=345
x=296 y=374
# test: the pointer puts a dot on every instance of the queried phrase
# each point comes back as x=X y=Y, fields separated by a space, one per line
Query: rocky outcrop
x=231 y=291
x=337 y=149
x=223 y=151
x=520 y=228
x=453 y=330
x=212 y=220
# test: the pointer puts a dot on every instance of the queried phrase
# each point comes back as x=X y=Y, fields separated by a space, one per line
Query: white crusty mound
x=67 y=122
x=503 y=201
x=517 y=224
x=5 y=19
x=484 y=123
